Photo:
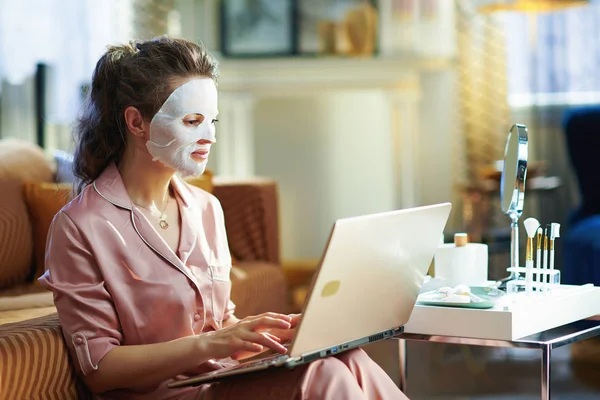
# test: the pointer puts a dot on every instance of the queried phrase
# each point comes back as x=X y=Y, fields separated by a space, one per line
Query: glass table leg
x=546 y=349
x=403 y=364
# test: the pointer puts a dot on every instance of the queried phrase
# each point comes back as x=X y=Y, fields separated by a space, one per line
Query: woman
x=139 y=262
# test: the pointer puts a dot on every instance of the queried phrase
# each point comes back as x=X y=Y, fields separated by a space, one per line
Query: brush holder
x=543 y=280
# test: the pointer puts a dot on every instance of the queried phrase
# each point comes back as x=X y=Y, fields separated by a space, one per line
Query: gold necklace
x=162 y=219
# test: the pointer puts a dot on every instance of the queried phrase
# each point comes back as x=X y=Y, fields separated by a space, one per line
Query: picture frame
x=258 y=28
x=320 y=25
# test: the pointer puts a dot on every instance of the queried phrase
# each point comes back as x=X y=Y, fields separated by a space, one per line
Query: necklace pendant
x=163 y=224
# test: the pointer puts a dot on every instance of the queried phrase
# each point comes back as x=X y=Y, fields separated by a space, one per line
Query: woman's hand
x=249 y=335
x=285 y=335
x=282 y=336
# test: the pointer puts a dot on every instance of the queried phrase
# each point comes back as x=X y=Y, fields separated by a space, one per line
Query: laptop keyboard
x=270 y=360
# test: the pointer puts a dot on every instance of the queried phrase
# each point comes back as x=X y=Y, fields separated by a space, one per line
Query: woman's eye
x=215 y=120
x=193 y=122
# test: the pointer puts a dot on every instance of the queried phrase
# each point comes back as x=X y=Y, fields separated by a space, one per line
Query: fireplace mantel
x=280 y=76
x=243 y=82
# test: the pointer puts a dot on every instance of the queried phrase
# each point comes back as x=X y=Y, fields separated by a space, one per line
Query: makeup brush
x=531 y=227
x=545 y=260
x=554 y=233
x=538 y=256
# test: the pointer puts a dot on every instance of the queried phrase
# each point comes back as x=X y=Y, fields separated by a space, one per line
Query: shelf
x=310 y=74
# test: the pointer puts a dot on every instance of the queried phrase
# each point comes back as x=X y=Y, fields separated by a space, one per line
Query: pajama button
x=196 y=317
x=78 y=340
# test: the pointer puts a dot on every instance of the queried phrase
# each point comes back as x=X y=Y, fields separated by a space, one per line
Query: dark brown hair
x=138 y=74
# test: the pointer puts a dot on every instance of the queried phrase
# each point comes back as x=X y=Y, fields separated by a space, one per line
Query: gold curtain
x=482 y=88
x=483 y=120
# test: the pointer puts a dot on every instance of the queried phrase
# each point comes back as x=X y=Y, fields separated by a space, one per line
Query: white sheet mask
x=171 y=141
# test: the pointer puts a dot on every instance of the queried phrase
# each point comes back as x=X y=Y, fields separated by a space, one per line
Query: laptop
x=363 y=291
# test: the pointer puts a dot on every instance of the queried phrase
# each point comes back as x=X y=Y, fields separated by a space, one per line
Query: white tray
x=514 y=317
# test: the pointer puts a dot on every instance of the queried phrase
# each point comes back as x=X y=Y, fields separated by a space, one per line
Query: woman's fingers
x=284 y=336
x=294 y=319
x=247 y=337
x=251 y=347
x=285 y=317
x=266 y=341
x=269 y=322
x=275 y=338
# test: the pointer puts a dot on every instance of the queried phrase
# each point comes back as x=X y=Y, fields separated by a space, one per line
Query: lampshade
x=528 y=5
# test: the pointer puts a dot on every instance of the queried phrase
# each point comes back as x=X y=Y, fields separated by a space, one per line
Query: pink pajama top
x=116 y=281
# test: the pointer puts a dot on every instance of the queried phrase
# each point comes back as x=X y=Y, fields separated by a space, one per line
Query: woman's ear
x=135 y=122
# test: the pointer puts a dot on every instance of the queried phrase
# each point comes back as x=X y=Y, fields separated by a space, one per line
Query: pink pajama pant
x=348 y=376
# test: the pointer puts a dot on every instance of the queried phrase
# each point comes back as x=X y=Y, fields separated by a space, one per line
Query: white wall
x=439 y=125
x=291 y=146
x=331 y=156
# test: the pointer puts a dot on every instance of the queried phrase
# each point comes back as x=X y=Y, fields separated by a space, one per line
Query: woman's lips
x=200 y=154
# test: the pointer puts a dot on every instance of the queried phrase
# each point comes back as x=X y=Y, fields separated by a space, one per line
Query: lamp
x=528 y=5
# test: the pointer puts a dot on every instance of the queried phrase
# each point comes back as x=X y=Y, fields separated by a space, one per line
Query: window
x=66 y=35
x=553 y=58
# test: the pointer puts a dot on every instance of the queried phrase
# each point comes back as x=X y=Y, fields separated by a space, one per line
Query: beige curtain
x=482 y=105
x=483 y=88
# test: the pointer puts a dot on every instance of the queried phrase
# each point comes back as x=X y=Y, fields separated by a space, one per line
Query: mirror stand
x=512 y=192
x=514 y=247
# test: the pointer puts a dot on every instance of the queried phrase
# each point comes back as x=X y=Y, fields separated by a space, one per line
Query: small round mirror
x=512 y=184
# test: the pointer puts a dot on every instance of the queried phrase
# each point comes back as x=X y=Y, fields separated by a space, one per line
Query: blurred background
x=352 y=106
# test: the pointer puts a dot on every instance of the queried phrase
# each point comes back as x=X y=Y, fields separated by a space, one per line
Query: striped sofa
x=34 y=363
